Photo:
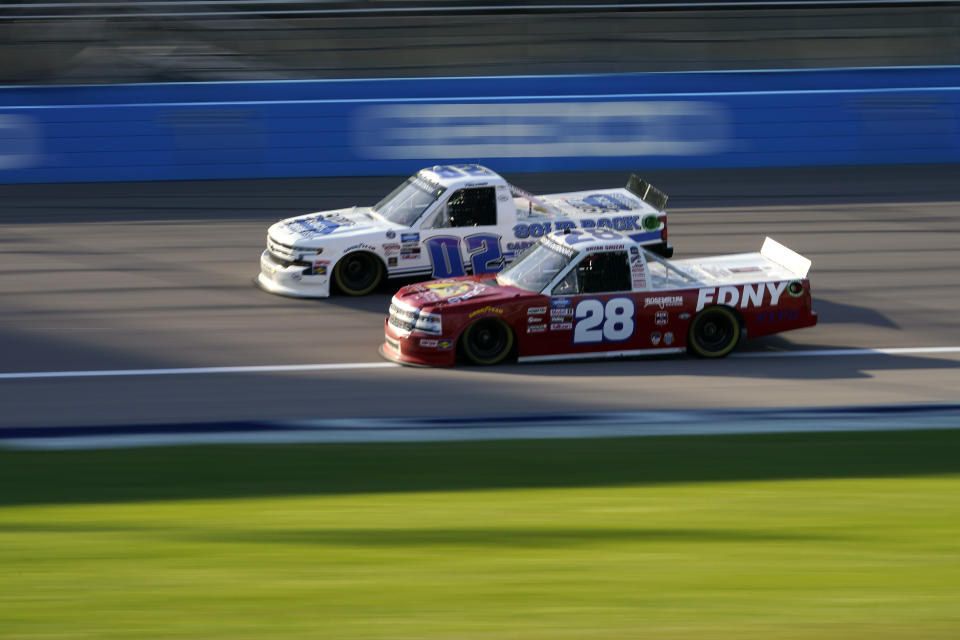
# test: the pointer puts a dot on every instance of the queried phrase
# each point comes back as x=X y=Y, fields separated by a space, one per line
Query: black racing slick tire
x=487 y=341
x=714 y=332
x=357 y=274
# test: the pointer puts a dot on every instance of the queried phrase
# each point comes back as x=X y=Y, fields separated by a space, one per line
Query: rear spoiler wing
x=647 y=192
x=786 y=258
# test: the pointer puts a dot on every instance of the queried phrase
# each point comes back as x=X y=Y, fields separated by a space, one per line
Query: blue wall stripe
x=514 y=124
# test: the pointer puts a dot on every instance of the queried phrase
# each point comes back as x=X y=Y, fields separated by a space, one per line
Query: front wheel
x=487 y=341
x=714 y=332
x=358 y=274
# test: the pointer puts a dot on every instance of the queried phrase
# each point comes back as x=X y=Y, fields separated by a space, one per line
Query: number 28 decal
x=599 y=322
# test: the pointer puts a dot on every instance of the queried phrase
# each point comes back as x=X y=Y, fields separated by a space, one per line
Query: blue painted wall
x=514 y=124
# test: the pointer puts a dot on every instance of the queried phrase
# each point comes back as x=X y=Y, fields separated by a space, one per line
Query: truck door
x=463 y=235
x=592 y=309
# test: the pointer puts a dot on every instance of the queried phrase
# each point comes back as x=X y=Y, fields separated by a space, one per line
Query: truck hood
x=458 y=291
x=316 y=229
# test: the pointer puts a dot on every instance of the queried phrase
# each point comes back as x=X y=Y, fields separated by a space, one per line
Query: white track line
x=193 y=370
x=894 y=351
x=346 y=366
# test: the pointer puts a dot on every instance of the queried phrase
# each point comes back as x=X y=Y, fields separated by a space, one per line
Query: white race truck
x=442 y=222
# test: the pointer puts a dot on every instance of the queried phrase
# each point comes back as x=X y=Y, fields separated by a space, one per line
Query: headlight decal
x=412 y=319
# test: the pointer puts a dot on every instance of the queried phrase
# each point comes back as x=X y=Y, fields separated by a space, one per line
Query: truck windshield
x=537 y=266
x=407 y=202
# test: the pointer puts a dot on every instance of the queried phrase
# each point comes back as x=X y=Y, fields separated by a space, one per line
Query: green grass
x=790 y=536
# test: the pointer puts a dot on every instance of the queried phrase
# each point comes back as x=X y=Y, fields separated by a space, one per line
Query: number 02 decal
x=483 y=249
x=597 y=322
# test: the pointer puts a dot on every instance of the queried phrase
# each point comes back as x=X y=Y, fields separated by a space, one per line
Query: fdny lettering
x=751 y=295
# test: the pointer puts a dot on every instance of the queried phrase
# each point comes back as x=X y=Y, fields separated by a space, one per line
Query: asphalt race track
x=134 y=277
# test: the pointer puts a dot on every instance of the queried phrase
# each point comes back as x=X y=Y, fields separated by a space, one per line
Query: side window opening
x=570 y=285
x=658 y=274
x=598 y=273
x=663 y=276
x=471 y=208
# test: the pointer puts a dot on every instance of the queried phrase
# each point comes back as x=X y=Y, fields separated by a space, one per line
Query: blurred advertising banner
x=19 y=142
x=696 y=120
x=541 y=129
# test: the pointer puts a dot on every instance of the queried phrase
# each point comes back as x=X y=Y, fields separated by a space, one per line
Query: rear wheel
x=714 y=332
x=358 y=274
x=487 y=341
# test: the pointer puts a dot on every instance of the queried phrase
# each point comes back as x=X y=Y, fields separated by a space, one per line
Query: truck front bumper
x=417 y=349
x=291 y=280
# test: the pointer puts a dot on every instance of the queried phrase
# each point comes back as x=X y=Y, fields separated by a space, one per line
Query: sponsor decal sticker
x=638 y=275
x=532 y=311
x=409 y=252
x=559 y=314
x=668 y=338
x=663 y=301
x=357 y=247
x=391 y=234
x=655 y=338
x=684 y=316
x=445 y=345
x=409 y=237
x=559 y=248
x=429 y=342
x=316 y=226
x=452 y=290
x=561 y=302
x=745 y=296
x=391 y=249
x=319 y=269
x=561 y=326
x=487 y=309
x=517 y=247
x=391 y=262
x=536 y=328
x=661 y=318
